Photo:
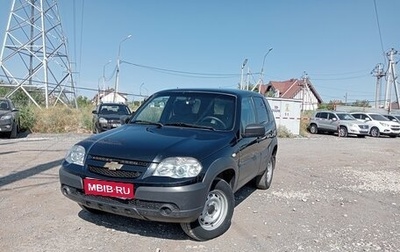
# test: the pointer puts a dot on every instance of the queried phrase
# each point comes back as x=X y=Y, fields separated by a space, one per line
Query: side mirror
x=94 y=112
x=254 y=130
x=334 y=119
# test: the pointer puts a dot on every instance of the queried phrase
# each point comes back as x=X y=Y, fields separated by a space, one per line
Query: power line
x=183 y=73
x=380 y=33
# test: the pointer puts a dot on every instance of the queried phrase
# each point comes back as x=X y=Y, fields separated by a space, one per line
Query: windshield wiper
x=190 y=125
x=148 y=122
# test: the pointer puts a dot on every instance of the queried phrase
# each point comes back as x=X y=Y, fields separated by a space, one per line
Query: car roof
x=235 y=92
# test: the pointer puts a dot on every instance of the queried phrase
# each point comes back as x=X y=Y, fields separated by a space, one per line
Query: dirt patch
x=328 y=194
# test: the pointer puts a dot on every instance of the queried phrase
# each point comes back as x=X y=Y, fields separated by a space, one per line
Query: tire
x=14 y=131
x=374 y=132
x=313 y=129
x=264 y=181
x=91 y=210
x=216 y=216
x=343 y=131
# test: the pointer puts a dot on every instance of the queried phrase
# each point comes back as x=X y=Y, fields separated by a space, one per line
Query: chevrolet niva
x=179 y=158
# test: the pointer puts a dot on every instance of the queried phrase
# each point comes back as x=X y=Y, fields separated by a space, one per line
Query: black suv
x=109 y=116
x=180 y=158
x=9 y=118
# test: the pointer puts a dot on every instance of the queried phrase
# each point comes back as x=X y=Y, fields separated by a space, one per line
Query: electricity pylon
x=34 y=54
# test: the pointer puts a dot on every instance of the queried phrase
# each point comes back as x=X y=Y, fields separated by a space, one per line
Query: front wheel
x=375 y=132
x=343 y=131
x=216 y=216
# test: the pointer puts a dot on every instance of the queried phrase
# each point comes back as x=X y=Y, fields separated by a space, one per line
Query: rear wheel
x=375 y=132
x=216 y=216
x=313 y=129
x=264 y=181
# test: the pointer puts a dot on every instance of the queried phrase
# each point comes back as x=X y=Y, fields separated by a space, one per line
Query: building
x=294 y=89
x=108 y=96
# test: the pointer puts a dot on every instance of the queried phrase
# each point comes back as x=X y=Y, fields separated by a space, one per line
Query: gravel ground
x=328 y=194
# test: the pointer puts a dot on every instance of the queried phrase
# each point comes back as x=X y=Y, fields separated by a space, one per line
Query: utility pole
x=378 y=73
x=391 y=79
x=241 y=75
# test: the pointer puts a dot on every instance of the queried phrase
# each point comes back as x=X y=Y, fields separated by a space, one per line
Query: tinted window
x=323 y=115
x=261 y=109
x=248 y=116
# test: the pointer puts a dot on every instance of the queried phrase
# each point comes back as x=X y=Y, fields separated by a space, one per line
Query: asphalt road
x=328 y=194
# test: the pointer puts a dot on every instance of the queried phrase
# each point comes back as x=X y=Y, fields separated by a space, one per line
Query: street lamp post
x=118 y=66
x=262 y=68
x=241 y=75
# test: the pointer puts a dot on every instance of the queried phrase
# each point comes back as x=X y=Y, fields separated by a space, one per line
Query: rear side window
x=247 y=113
x=262 y=110
x=322 y=115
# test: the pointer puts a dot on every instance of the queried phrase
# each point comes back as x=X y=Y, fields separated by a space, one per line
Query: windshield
x=378 y=117
x=345 y=116
x=114 y=109
x=190 y=109
x=4 y=105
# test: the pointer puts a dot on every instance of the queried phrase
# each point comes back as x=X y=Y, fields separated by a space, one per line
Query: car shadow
x=171 y=231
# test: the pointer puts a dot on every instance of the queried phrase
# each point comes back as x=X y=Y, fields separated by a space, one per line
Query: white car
x=379 y=125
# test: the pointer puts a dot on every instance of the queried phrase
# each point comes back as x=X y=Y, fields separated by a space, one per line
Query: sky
x=187 y=43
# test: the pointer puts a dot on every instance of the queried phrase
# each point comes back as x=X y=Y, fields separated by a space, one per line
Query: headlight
x=384 y=124
x=6 y=117
x=76 y=155
x=178 y=167
x=102 y=120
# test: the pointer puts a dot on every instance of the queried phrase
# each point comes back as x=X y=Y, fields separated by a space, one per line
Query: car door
x=323 y=122
x=332 y=122
x=248 y=147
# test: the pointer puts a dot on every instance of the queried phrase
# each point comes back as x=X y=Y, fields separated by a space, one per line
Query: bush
x=27 y=118
x=283 y=132
x=61 y=119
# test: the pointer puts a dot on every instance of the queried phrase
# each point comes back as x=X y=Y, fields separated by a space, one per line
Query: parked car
x=9 y=118
x=108 y=116
x=394 y=118
x=179 y=159
x=379 y=125
x=342 y=123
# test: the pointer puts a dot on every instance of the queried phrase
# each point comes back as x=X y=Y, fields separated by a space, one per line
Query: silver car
x=342 y=123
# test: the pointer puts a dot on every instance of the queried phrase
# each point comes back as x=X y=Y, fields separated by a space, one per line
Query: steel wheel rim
x=215 y=210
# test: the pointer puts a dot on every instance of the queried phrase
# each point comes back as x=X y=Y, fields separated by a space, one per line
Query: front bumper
x=5 y=125
x=179 y=204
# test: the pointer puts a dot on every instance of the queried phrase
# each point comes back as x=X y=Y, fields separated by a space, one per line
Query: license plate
x=108 y=188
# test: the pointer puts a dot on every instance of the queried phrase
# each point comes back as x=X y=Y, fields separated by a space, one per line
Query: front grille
x=363 y=126
x=114 y=174
x=121 y=161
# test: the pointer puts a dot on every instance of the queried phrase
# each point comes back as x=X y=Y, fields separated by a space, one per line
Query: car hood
x=3 y=112
x=152 y=143
x=113 y=117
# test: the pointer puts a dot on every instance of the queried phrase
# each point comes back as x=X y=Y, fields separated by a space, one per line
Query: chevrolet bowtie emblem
x=113 y=166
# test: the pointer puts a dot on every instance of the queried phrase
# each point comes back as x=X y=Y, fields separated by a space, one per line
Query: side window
x=332 y=116
x=247 y=113
x=318 y=115
x=356 y=116
x=323 y=115
x=262 y=110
